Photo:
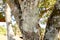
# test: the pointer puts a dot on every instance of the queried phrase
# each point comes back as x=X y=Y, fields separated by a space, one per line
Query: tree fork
x=28 y=16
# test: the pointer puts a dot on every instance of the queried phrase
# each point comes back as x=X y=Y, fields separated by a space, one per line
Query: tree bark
x=53 y=24
x=10 y=33
x=27 y=13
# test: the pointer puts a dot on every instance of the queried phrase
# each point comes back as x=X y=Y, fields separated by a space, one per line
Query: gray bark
x=53 y=24
x=26 y=14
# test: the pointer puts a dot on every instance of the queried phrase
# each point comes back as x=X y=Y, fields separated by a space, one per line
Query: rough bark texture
x=26 y=14
x=53 y=24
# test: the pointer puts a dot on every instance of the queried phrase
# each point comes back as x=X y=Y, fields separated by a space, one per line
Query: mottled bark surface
x=53 y=24
x=27 y=13
x=30 y=20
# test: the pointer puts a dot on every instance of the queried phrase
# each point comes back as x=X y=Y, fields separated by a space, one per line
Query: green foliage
x=46 y=8
x=2 y=30
x=4 y=1
x=46 y=3
x=1 y=16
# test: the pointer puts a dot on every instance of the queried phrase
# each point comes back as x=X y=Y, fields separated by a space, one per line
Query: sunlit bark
x=10 y=33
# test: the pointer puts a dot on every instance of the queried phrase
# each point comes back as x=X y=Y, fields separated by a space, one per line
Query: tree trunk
x=10 y=33
x=27 y=13
x=53 y=24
